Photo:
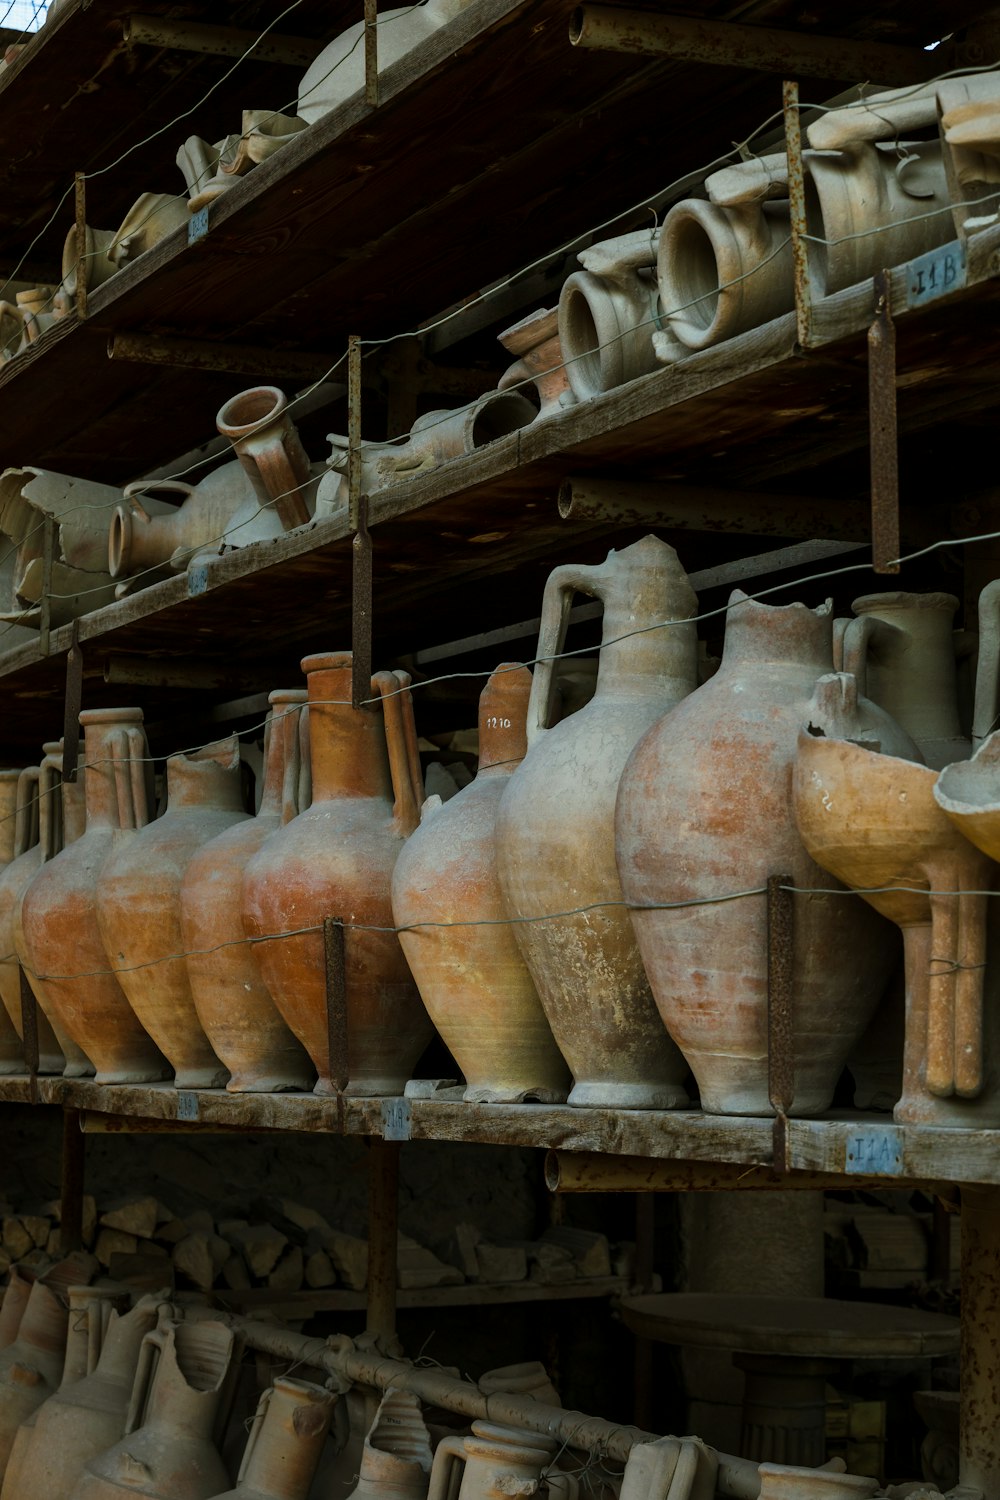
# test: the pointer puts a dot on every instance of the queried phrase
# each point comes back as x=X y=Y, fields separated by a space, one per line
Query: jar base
x=138 y=1072
x=270 y=1083
x=512 y=1093
x=201 y=1078
x=606 y=1094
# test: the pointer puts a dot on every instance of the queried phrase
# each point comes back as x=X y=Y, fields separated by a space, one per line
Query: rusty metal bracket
x=29 y=1032
x=361 y=610
x=335 y=966
x=780 y=1012
x=797 y=212
x=45 y=602
x=371 y=53
x=80 y=199
x=72 y=705
x=882 y=430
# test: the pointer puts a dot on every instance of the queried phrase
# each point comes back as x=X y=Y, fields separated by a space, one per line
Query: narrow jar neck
x=106 y=744
x=347 y=745
x=204 y=781
x=280 y=749
x=791 y=636
x=286 y=1449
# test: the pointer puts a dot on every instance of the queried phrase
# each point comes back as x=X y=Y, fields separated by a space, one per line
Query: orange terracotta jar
x=59 y=914
x=234 y=1007
x=336 y=860
x=138 y=906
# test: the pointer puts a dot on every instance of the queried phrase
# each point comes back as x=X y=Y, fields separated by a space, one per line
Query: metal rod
x=169 y=671
x=797 y=212
x=80 y=199
x=383 y=1222
x=206 y=354
x=336 y=1001
x=371 y=53
x=594 y=1172
x=613 y=29
x=219 y=41
x=361 y=609
x=29 y=1032
x=979 y=1416
x=72 y=704
x=780 y=1010
x=71 y=1190
x=45 y=602
x=689 y=507
x=882 y=430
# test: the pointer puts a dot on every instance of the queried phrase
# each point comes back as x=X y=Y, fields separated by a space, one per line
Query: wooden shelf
x=296 y=1306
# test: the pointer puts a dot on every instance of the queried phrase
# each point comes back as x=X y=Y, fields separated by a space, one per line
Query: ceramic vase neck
x=503 y=715
x=174 y=1400
x=113 y=747
x=284 y=1450
x=347 y=745
x=646 y=586
x=783 y=636
x=206 y=779
x=280 y=750
x=120 y=1353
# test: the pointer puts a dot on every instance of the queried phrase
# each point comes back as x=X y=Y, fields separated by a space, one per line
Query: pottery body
x=138 y=905
x=536 y=343
x=31 y=1367
x=285 y=1442
x=555 y=827
x=901 y=648
x=234 y=1007
x=608 y=312
x=91 y=264
x=59 y=918
x=149 y=534
x=169 y=1451
x=150 y=219
x=396 y=1458
x=494 y=1461
x=704 y=811
x=473 y=980
x=970 y=129
x=336 y=860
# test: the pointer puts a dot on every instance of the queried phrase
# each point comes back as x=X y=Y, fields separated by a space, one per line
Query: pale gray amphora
x=285 y=1442
x=555 y=827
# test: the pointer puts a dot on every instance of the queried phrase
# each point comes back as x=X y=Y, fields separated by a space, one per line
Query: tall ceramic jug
x=169 y=1450
x=555 y=827
x=234 y=1007
x=285 y=1441
x=336 y=860
x=704 y=815
x=77 y=1424
x=59 y=913
x=472 y=979
x=902 y=650
x=396 y=1456
x=138 y=905
x=494 y=1461
x=31 y=1367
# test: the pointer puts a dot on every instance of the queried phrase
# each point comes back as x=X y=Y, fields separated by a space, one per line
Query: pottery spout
x=146 y=532
x=267 y=443
x=607 y=313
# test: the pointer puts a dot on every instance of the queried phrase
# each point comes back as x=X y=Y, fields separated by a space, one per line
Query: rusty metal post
x=797 y=212
x=71 y=1191
x=383 y=1220
x=371 y=53
x=780 y=1011
x=72 y=704
x=979 y=1420
x=45 y=603
x=80 y=200
x=336 y=999
x=361 y=585
x=882 y=430
x=29 y=1032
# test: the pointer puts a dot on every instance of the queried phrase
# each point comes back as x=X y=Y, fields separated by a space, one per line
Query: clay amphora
x=535 y=341
x=150 y=219
x=285 y=1442
x=11 y=1056
x=608 y=312
x=238 y=1015
x=31 y=1367
x=902 y=649
x=725 y=265
x=270 y=450
x=80 y=509
x=168 y=1451
x=704 y=812
x=93 y=265
x=555 y=827
x=670 y=1466
x=138 y=905
x=149 y=535
x=396 y=1457
x=497 y=1461
x=871 y=820
x=335 y=860
x=263 y=132
x=473 y=980
x=784 y=1482
x=79 y=1422
x=15 y=1300
x=970 y=128
x=59 y=914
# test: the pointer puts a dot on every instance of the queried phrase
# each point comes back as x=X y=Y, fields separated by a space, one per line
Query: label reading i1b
x=935 y=274
x=875 y=1150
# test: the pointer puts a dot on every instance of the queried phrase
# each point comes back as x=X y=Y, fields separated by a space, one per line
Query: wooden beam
x=220 y=41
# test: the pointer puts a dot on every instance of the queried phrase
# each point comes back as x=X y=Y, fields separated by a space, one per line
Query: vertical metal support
x=80 y=193
x=29 y=1032
x=371 y=53
x=797 y=212
x=383 y=1219
x=979 y=1420
x=780 y=1011
x=645 y=1220
x=882 y=430
x=72 y=705
x=71 y=1192
x=45 y=605
x=361 y=590
x=336 y=1000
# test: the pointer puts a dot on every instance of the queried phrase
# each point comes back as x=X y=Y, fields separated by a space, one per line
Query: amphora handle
x=132 y=492
x=860 y=636
x=26 y=811
x=401 y=743
x=450 y=1452
x=557 y=601
x=150 y=1352
x=127 y=749
x=984 y=719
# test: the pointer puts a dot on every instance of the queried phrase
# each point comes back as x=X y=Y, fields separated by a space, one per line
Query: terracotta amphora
x=871 y=820
x=270 y=450
x=494 y=1461
x=59 y=914
x=555 y=827
x=150 y=537
x=169 y=1450
x=472 y=979
x=234 y=1007
x=902 y=649
x=138 y=905
x=79 y=509
x=285 y=1442
x=396 y=1458
x=608 y=312
x=539 y=358
x=79 y=1422
x=335 y=860
x=31 y=1367
x=704 y=818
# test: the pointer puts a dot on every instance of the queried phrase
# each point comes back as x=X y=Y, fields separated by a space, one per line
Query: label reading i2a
x=935 y=274
x=874 y=1150
x=396 y=1117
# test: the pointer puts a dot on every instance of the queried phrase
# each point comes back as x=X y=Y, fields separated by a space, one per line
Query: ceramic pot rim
x=111 y=716
x=327 y=661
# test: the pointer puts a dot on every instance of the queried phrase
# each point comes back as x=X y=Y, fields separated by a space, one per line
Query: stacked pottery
x=555 y=827
x=704 y=812
x=335 y=860
x=607 y=313
x=59 y=915
x=138 y=905
x=472 y=979
x=168 y=1451
x=234 y=1007
x=285 y=1442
